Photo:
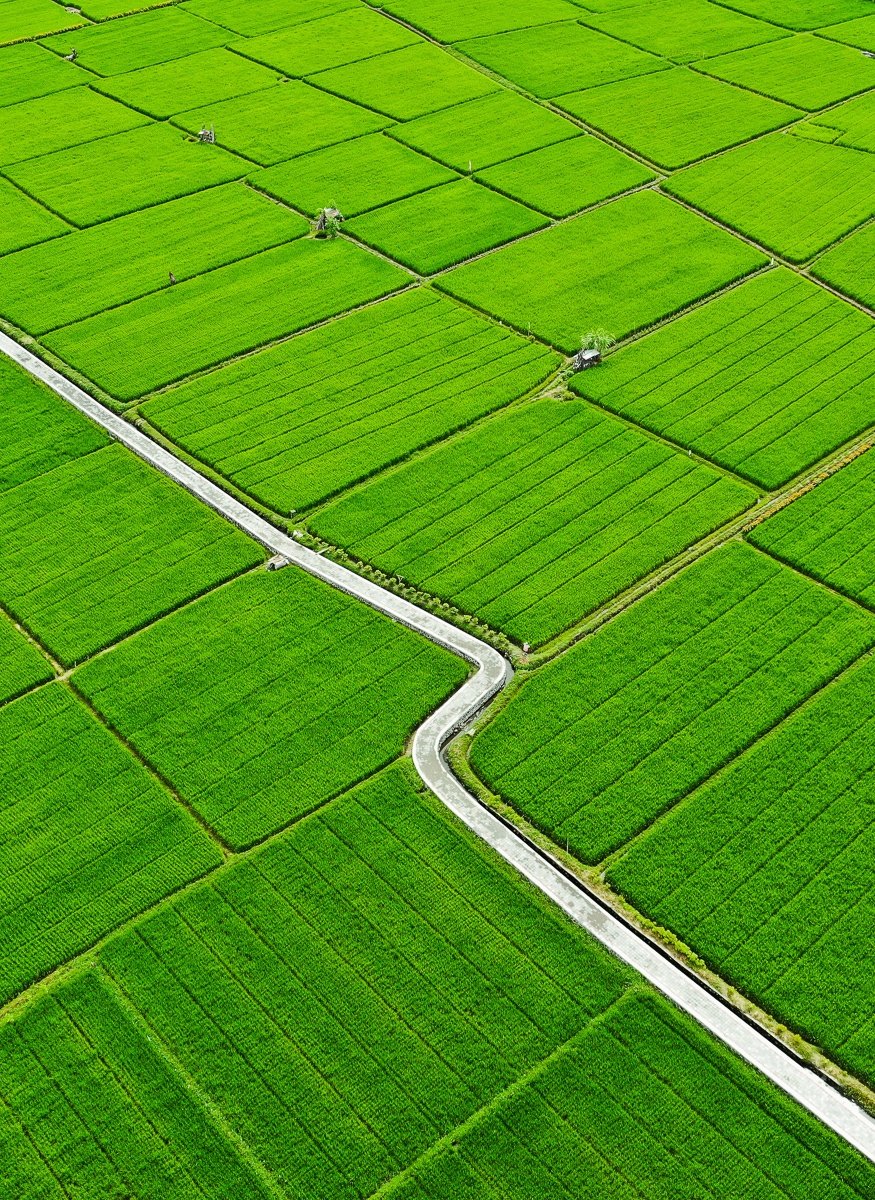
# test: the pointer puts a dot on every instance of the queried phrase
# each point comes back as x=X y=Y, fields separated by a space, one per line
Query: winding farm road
x=747 y=1039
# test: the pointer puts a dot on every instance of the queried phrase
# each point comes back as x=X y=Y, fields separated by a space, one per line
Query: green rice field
x=557 y=321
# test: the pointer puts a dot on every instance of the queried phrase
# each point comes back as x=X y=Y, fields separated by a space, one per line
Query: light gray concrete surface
x=493 y=671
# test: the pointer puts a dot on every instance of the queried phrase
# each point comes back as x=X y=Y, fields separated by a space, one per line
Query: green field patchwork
x=117 y=175
x=765 y=380
x=269 y=696
x=448 y=22
x=483 y=132
x=59 y=121
x=277 y=123
x=99 y=10
x=804 y=14
x=331 y=41
x=23 y=222
x=407 y=83
x=606 y=738
x=767 y=872
x=860 y=32
x=536 y=517
x=138 y=41
x=806 y=71
x=118 y=261
x=34 y=18
x=683 y=30
x=191 y=82
x=552 y=59
x=224 y=313
x=621 y=267
x=562 y=179
x=828 y=531
x=443 y=226
x=256 y=17
x=90 y=839
x=675 y=117
x=297 y=423
x=352 y=176
x=851 y=124
x=104 y=544
x=793 y=195
x=850 y=267
x=22 y=666
x=28 y=71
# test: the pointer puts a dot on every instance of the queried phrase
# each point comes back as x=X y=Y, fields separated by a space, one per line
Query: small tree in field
x=597 y=339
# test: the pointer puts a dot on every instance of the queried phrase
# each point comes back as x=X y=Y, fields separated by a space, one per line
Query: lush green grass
x=765 y=380
x=352 y=176
x=860 y=32
x=850 y=267
x=448 y=21
x=475 y=135
x=104 y=544
x=612 y=734
x=268 y=697
x=27 y=71
x=117 y=261
x=828 y=531
x=642 y=1103
x=139 y=41
x=191 y=82
x=24 y=223
x=767 y=871
x=332 y=41
x=221 y=314
x=407 y=83
x=536 y=517
x=38 y=430
x=60 y=120
x=683 y=30
x=277 y=123
x=33 y=18
x=256 y=17
x=804 y=70
x=440 y=227
x=90 y=839
x=297 y=423
x=117 y=175
x=620 y=267
x=675 y=117
x=21 y=664
x=553 y=59
x=99 y=10
x=804 y=14
x=562 y=179
x=851 y=124
x=793 y=195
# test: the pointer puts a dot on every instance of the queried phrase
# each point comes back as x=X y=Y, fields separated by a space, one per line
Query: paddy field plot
x=792 y=195
x=117 y=175
x=764 y=380
x=851 y=124
x=534 y=518
x=352 y=176
x=185 y=83
x=860 y=32
x=548 y=60
x=406 y=83
x=448 y=22
x=487 y=131
x=438 y=228
x=850 y=266
x=90 y=838
x=256 y=17
x=282 y=121
x=28 y=71
x=563 y=178
x=138 y=41
x=804 y=14
x=621 y=267
x=22 y=666
x=32 y=18
x=828 y=532
x=806 y=71
x=104 y=544
x=223 y=313
x=59 y=121
x=269 y=696
x=683 y=30
x=767 y=872
x=675 y=117
x=99 y=10
x=24 y=222
x=301 y=421
x=606 y=738
x=327 y=42
x=118 y=261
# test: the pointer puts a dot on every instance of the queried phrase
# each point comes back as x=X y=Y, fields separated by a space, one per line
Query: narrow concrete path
x=764 y=1052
